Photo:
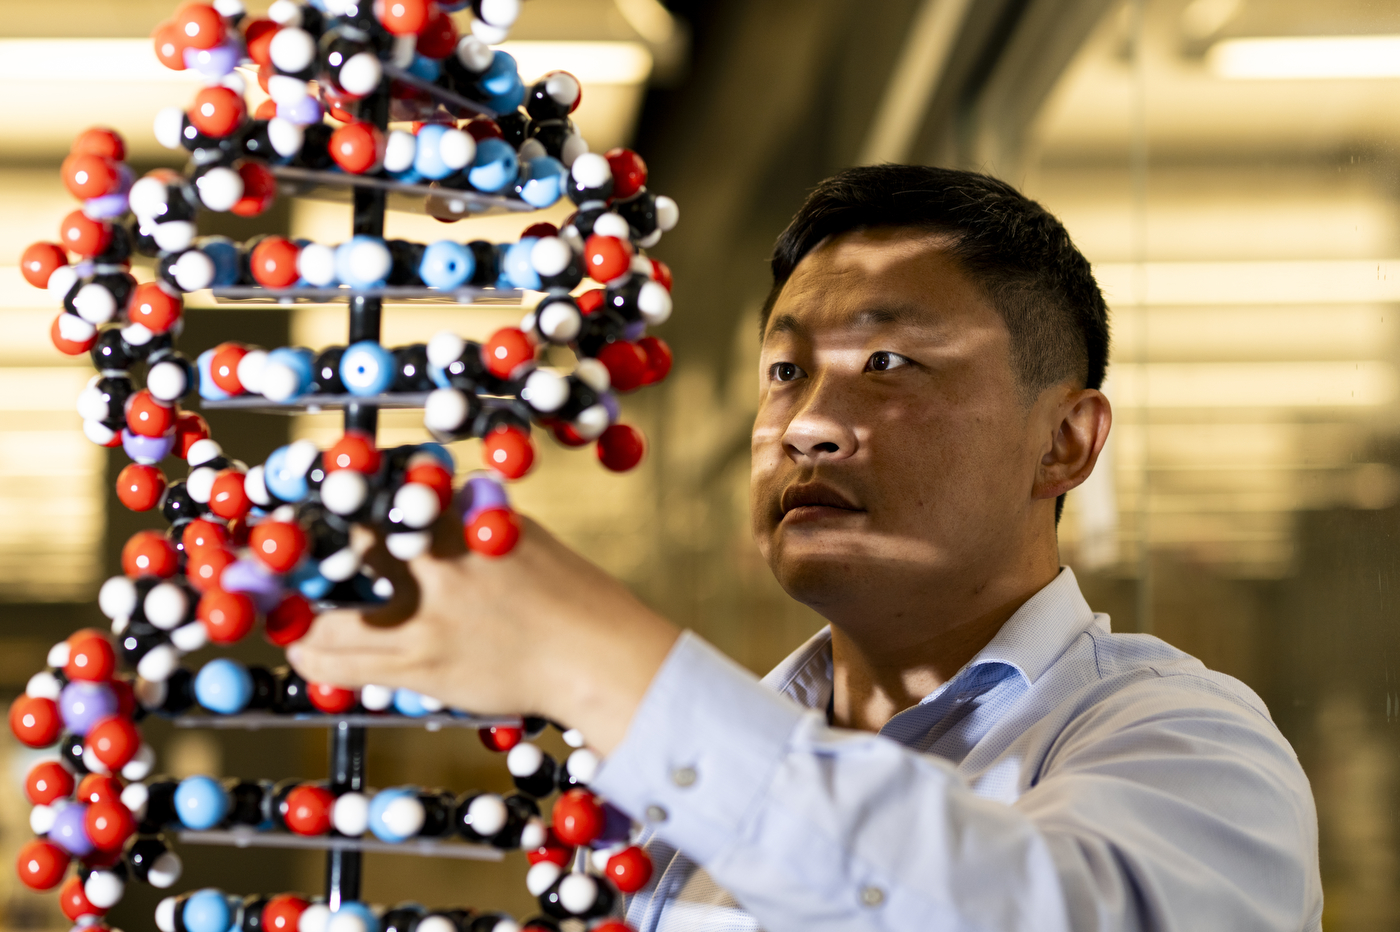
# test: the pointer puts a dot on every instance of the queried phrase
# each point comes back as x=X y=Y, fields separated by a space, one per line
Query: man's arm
x=1148 y=815
x=1145 y=817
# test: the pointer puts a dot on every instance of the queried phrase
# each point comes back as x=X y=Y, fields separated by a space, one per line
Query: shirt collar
x=1030 y=641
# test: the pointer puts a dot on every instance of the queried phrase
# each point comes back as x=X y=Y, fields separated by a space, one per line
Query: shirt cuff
x=700 y=751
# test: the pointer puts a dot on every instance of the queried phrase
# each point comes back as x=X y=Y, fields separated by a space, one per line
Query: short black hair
x=1013 y=248
x=1007 y=243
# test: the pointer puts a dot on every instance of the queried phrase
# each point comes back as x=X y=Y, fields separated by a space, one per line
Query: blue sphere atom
x=206 y=911
x=494 y=167
x=367 y=368
x=516 y=266
x=223 y=686
x=446 y=264
x=541 y=181
x=200 y=803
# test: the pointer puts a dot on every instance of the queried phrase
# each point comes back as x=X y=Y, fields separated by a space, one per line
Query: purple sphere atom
x=147 y=450
x=83 y=704
x=253 y=580
x=482 y=493
x=68 y=831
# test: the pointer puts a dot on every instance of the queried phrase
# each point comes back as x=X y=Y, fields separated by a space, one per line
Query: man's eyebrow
x=787 y=323
x=876 y=316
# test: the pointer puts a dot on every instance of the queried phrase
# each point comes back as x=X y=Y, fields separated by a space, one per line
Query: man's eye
x=883 y=361
x=784 y=372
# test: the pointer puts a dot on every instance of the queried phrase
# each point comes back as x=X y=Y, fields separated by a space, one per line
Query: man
x=967 y=746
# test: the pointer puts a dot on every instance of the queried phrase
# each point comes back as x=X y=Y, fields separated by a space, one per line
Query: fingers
x=344 y=649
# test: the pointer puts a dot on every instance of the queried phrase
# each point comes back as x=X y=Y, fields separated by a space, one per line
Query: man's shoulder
x=1133 y=666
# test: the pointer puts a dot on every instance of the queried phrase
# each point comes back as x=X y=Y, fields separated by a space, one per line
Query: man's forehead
x=870 y=278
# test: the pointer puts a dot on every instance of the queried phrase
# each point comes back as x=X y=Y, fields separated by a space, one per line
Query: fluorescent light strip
x=130 y=61
x=1327 y=282
x=1306 y=57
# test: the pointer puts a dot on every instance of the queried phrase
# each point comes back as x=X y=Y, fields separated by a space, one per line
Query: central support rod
x=347 y=742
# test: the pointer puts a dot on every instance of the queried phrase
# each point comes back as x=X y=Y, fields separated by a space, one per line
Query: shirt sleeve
x=813 y=828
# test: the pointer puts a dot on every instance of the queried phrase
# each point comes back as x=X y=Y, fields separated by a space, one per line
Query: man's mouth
x=815 y=500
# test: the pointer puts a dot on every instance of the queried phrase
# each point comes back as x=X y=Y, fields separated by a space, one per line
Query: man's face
x=893 y=445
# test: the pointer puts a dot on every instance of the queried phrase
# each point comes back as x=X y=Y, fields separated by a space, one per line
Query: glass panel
x=1230 y=169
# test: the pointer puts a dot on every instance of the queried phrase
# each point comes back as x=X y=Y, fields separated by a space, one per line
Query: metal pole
x=347 y=743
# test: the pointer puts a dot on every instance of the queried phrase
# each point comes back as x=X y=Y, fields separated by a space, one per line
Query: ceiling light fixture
x=1306 y=57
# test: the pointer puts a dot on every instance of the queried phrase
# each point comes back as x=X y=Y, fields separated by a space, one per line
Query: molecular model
x=381 y=99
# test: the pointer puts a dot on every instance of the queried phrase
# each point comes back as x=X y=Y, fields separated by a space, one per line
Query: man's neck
x=883 y=666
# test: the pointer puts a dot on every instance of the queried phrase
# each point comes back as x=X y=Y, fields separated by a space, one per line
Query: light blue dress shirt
x=1067 y=778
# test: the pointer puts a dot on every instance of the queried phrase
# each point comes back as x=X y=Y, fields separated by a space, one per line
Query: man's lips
x=813 y=498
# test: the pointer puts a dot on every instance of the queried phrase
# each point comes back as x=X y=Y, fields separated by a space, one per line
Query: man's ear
x=1080 y=423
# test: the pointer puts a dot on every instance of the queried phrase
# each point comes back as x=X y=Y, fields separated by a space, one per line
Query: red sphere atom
x=435 y=477
x=309 y=810
x=99 y=788
x=200 y=534
x=629 y=869
x=204 y=568
x=553 y=850
x=140 y=487
x=627 y=365
x=507 y=350
x=109 y=825
x=199 y=25
x=90 y=656
x=87 y=176
x=39 y=261
x=508 y=450
x=100 y=140
x=190 y=428
x=153 y=307
x=354 y=450
x=566 y=435
x=223 y=366
x=73 y=900
x=438 y=38
x=217 y=111
x=403 y=17
x=493 y=533
x=148 y=553
x=47 y=781
x=661 y=274
x=83 y=235
x=274 y=262
x=257 y=36
x=606 y=257
x=289 y=621
x=590 y=300
x=259 y=187
x=227 y=616
x=147 y=416
x=60 y=333
x=283 y=913
x=500 y=737
x=621 y=447
x=629 y=172
x=658 y=359
x=35 y=721
x=170 y=46
x=577 y=817
x=114 y=741
x=227 y=497
x=41 y=864
x=278 y=545
x=331 y=699
x=357 y=147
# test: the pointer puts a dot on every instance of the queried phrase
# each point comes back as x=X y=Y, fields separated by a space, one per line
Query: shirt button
x=872 y=896
x=683 y=776
x=655 y=813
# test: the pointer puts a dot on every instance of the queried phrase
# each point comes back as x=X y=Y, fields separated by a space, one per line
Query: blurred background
x=1229 y=166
